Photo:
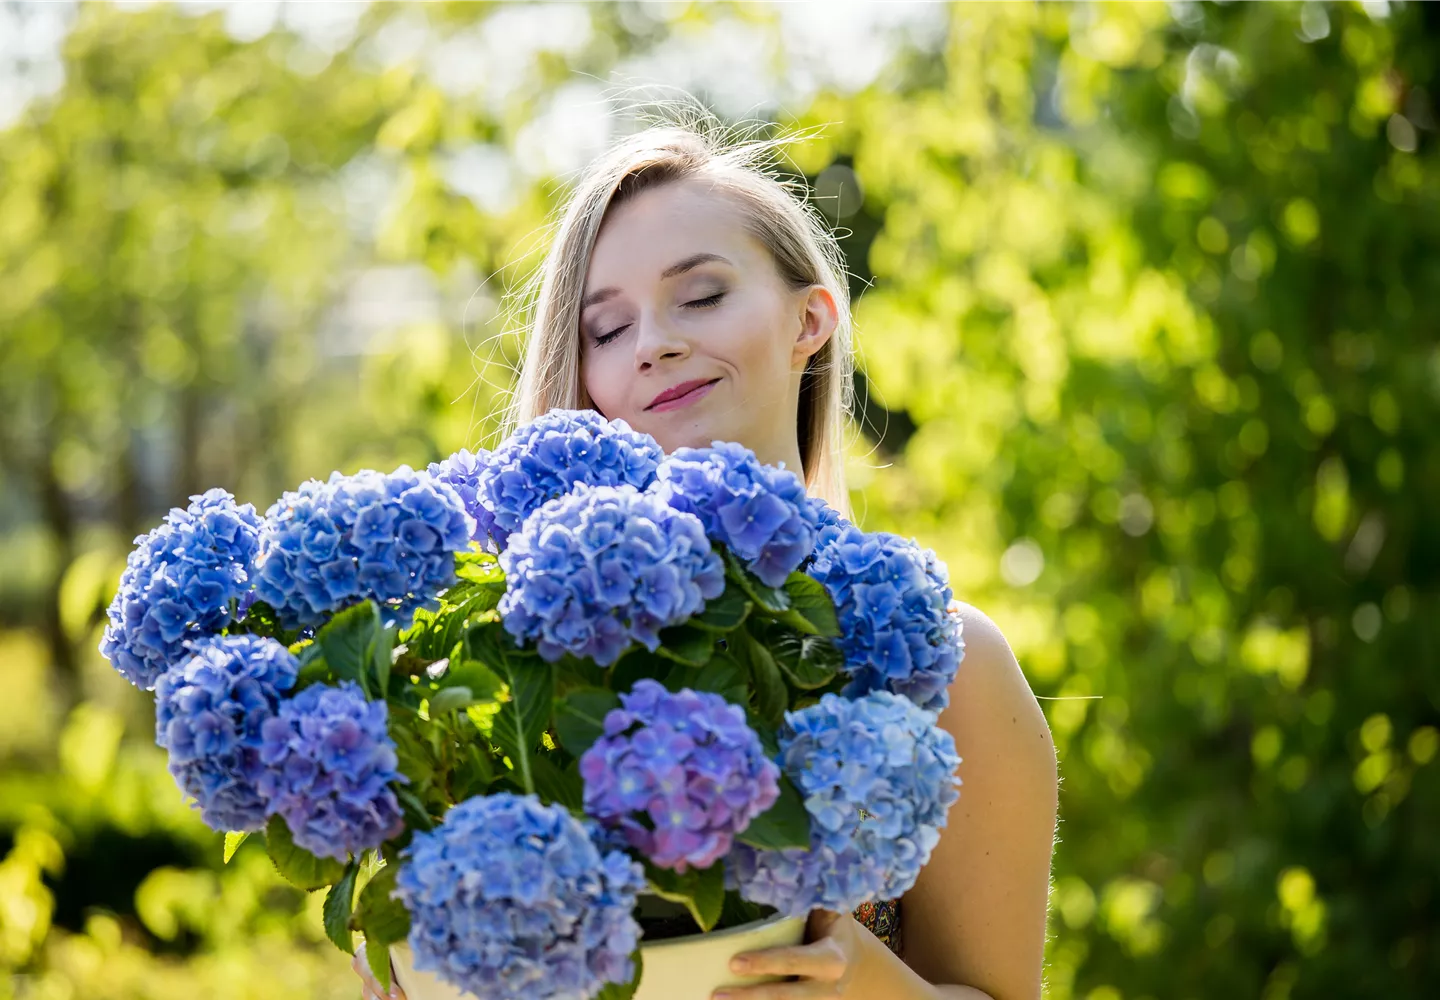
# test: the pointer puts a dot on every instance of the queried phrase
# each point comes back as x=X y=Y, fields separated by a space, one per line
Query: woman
x=691 y=294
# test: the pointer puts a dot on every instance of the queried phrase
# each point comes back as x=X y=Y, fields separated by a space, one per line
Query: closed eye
x=705 y=303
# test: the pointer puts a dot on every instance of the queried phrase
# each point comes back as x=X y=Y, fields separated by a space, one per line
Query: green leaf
x=338 y=904
x=473 y=774
x=482 y=568
x=771 y=599
x=233 y=840
x=557 y=785
x=377 y=956
x=452 y=699
x=380 y=655
x=348 y=641
x=635 y=665
x=525 y=715
x=435 y=636
x=690 y=646
x=722 y=675
x=811 y=609
x=701 y=891
x=484 y=684
x=785 y=824
x=725 y=612
x=624 y=991
x=770 y=693
x=295 y=864
x=580 y=717
x=808 y=661
x=382 y=918
x=415 y=812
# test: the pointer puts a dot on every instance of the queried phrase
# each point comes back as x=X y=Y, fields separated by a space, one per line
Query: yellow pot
x=683 y=968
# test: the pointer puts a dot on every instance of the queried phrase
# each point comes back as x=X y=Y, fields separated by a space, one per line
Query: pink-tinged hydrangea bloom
x=679 y=775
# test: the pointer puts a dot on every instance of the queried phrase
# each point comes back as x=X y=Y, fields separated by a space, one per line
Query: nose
x=657 y=341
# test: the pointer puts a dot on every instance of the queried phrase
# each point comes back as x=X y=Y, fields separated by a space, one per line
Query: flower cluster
x=178 y=583
x=209 y=710
x=679 y=774
x=603 y=566
x=509 y=897
x=547 y=457
x=461 y=472
x=877 y=776
x=328 y=764
x=760 y=512
x=892 y=598
x=829 y=522
x=391 y=537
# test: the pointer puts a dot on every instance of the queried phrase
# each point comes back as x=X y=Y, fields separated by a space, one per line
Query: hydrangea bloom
x=760 y=512
x=328 y=765
x=391 y=537
x=209 y=710
x=678 y=774
x=829 y=522
x=877 y=776
x=555 y=451
x=892 y=598
x=509 y=897
x=178 y=584
x=461 y=472
x=604 y=565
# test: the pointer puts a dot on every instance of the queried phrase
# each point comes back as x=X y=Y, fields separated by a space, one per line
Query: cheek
x=605 y=383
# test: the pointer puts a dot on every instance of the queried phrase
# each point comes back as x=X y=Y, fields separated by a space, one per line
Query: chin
x=672 y=436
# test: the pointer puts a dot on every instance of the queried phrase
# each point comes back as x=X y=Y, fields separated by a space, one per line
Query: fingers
x=809 y=990
x=370 y=988
x=823 y=960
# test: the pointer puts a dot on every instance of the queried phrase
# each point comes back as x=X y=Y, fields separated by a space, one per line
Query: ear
x=819 y=316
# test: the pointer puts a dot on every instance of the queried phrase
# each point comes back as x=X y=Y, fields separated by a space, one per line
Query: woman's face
x=687 y=331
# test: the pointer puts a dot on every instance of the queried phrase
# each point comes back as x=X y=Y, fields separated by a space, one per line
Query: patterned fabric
x=883 y=920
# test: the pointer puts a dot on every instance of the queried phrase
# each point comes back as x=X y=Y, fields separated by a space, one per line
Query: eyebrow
x=679 y=267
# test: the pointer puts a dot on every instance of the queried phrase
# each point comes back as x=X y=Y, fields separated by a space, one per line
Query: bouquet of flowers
x=512 y=708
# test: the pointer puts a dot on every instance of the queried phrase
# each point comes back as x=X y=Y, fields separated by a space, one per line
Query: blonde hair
x=689 y=145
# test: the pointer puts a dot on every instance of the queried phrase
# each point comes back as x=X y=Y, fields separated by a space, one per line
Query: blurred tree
x=1149 y=287
x=1145 y=332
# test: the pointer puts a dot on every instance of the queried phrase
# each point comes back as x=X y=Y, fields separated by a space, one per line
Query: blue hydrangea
x=328 y=766
x=678 y=774
x=602 y=566
x=892 y=598
x=509 y=897
x=877 y=777
x=759 y=512
x=178 y=584
x=558 y=449
x=461 y=472
x=209 y=710
x=388 y=537
x=829 y=523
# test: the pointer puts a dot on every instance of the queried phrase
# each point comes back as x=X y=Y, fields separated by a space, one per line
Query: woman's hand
x=825 y=966
x=371 y=989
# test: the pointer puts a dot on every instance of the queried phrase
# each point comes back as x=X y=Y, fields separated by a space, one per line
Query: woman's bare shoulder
x=977 y=914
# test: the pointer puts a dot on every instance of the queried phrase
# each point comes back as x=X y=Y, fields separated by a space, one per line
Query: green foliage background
x=1146 y=303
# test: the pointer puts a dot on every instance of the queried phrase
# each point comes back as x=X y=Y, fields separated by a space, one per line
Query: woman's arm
x=977 y=914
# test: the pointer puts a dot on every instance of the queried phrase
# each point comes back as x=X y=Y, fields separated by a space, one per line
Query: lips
x=679 y=391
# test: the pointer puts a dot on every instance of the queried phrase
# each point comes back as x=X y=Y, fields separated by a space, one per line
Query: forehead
x=662 y=225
